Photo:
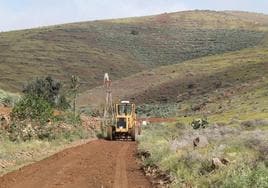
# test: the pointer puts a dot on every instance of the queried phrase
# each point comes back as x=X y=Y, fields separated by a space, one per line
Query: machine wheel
x=134 y=133
x=110 y=133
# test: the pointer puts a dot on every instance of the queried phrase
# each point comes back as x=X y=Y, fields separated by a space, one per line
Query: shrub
x=34 y=115
x=47 y=89
x=32 y=107
x=199 y=123
x=134 y=32
x=7 y=99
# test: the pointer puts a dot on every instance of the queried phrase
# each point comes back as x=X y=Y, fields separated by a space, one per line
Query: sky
x=22 y=14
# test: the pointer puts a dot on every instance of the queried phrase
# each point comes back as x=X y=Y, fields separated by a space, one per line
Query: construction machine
x=119 y=118
x=124 y=125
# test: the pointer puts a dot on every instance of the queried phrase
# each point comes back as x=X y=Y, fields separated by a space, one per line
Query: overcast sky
x=20 y=14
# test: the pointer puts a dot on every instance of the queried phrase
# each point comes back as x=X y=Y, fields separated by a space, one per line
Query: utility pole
x=74 y=88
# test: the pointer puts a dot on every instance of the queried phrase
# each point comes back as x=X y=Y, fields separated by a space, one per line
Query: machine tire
x=110 y=133
x=134 y=133
x=133 y=137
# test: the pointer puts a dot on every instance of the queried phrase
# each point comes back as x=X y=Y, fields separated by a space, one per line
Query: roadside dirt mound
x=91 y=123
x=5 y=110
x=4 y=117
x=96 y=164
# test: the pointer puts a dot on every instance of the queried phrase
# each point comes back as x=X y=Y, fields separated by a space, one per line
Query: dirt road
x=97 y=164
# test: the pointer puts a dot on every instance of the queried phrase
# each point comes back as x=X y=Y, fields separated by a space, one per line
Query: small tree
x=74 y=87
x=47 y=89
x=41 y=96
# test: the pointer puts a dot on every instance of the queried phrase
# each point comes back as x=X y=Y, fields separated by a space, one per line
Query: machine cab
x=125 y=108
x=125 y=116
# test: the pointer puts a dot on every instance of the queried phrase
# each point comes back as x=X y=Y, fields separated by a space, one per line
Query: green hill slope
x=121 y=47
x=234 y=82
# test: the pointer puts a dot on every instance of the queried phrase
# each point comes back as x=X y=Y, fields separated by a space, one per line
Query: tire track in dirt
x=97 y=164
x=121 y=173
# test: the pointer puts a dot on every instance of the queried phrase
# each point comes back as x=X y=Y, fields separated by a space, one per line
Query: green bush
x=199 y=123
x=7 y=99
x=246 y=176
x=49 y=90
x=32 y=107
x=33 y=118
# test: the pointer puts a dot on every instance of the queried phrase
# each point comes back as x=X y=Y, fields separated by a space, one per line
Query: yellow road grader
x=120 y=119
x=124 y=125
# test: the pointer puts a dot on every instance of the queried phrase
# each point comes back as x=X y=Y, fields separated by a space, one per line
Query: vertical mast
x=108 y=108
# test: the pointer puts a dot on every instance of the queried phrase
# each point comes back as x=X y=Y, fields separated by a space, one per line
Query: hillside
x=232 y=81
x=258 y=18
x=121 y=47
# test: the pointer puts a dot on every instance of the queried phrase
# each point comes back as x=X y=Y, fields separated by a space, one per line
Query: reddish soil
x=157 y=120
x=5 y=110
x=95 y=164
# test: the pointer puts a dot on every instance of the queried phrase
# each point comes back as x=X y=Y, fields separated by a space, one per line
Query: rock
x=218 y=163
x=200 y=141
x=196 y=141
x=144 y=123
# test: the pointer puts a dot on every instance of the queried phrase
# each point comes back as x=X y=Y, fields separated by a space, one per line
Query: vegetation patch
x=157 y=110
x=41 y=118
x=221 y=153
x=7 y=99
